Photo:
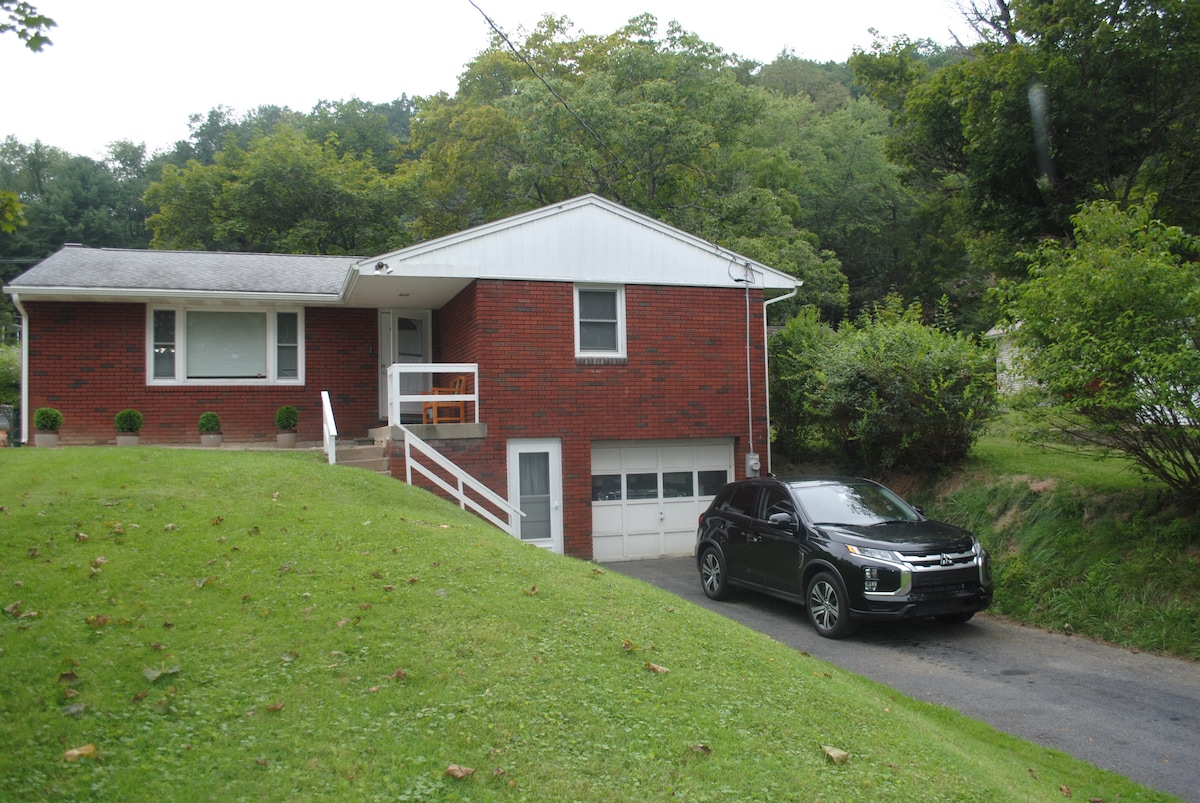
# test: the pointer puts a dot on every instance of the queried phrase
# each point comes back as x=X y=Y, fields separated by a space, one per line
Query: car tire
x=959 y=618
x=713 y=575
x=828 y=608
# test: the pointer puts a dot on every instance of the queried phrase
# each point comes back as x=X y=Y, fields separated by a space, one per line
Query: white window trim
x=619 y=289
x=181 y=312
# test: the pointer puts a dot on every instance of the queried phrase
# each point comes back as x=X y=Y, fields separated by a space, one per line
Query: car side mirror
x=781 y=519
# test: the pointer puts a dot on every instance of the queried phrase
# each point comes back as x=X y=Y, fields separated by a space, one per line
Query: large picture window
x=599 y=321
x=225 y=346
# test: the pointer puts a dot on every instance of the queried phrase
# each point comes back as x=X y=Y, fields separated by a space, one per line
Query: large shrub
x=887 y=391
x=10 y=374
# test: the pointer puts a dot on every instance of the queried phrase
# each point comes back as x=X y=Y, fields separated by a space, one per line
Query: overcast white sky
x=136 y=69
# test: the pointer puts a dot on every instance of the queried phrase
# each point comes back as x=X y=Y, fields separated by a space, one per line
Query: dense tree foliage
x=285 y=193
x=1064 y=102
x=1107 y=330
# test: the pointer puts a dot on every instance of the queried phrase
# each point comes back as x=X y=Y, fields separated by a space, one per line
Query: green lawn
x=260 y=626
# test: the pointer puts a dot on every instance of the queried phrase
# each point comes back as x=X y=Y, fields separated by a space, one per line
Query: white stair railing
x=329 y=428
x=464 y=483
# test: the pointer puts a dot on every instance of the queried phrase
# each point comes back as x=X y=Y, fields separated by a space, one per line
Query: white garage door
x=646 y=496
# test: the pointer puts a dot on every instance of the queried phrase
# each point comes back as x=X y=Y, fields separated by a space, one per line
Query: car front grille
x=945 y=581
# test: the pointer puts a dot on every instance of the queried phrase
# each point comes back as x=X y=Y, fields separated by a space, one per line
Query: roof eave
x=34 y=293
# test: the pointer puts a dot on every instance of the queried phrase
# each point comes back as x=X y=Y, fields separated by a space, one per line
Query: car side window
x=741 y=501
x=776 y=500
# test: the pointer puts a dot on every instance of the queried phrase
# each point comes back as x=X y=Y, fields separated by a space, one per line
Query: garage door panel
x=648 y=496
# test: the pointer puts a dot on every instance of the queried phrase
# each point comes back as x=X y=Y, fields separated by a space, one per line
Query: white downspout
x=767 y=360
x=25 y=414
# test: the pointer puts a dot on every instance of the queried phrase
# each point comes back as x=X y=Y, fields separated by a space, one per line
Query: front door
x=535 y=488
x=405 y=336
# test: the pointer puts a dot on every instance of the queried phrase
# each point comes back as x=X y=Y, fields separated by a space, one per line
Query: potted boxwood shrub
x=286 y=418
x=46 y=422
x=210 y=429
x=129 y=427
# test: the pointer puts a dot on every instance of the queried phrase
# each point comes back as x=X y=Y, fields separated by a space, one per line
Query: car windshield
x=840 y=503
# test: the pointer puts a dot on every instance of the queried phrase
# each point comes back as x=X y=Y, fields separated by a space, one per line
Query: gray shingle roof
x=187 y=271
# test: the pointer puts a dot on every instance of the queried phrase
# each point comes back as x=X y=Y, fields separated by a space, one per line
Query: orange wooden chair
x=446 y=412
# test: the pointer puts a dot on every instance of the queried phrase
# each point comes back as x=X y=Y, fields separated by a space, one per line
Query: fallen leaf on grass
x=656 y=669
x=262 y=762
x=1066 y=790
x=275 y=707
x=14 y=609
x=68 y=677
x=374 y=689
x=288 y=657
x=152 y=673
x=532 y=591
x=74 y=709
x=97 y=620
x=835 y=755
x=81 y=537
x=399 y=674
x=80 y=752
x=99 y=561
x=455 y=771
x=702 y=748
x=170 y=528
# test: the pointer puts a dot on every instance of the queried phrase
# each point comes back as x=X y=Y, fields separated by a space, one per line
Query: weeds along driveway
x=1135 y=714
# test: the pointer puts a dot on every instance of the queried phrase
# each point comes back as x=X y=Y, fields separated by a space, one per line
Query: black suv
x=844 y=548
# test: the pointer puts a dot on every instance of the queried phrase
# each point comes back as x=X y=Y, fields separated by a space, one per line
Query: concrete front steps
x=364 y=454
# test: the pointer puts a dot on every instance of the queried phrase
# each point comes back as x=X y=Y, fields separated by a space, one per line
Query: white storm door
x=535 y=488
x=405 y=336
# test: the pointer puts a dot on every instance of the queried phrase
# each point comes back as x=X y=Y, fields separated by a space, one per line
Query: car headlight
x=867 y=552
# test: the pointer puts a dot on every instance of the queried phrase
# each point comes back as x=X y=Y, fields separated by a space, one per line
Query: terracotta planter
x=45 y=440
x=128 y=438
x=211 y=438
x=286 y=439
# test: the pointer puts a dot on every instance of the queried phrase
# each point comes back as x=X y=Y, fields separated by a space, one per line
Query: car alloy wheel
x=827 y=606
x=712 y=575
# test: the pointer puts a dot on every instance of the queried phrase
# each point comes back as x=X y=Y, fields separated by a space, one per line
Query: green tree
x=25 y=21
x=1065 y=102
x=286 y=193
x=1108 y=339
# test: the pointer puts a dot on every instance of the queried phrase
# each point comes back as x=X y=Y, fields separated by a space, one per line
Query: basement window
x=226 y=346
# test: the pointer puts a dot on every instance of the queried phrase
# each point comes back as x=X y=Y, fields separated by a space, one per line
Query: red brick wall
x=684 y=377
x=88 y=360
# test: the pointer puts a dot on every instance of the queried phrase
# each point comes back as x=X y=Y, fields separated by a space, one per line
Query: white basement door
x=647 y=495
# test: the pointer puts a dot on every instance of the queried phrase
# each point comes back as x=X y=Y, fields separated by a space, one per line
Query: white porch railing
x=328 y=427
x=464 y=484
x=396 y=397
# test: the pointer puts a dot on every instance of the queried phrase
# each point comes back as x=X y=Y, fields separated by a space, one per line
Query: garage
x=647 y=495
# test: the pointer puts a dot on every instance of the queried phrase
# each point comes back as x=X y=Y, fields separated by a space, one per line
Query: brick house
x=615 y=367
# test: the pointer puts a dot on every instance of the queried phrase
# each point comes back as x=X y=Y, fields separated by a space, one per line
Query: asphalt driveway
x=1134 y=714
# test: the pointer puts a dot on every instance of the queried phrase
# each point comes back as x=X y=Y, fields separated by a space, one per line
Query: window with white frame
x=599 y=321
x=225 y=345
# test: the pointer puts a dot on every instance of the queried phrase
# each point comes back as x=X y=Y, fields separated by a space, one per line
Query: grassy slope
x=338 y=635
x=1081 y=543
